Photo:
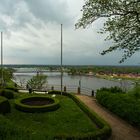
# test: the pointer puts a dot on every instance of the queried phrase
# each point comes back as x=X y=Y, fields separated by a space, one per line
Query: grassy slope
x=67 y=119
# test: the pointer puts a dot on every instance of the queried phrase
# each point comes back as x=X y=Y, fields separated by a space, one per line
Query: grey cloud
x=8 y=6
x=35 y=12
x=14 y=10
x=19 y=12
x=2 y=25
x=50 y=10
x=17 y=49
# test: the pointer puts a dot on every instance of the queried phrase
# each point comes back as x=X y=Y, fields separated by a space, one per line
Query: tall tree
x=123 y=23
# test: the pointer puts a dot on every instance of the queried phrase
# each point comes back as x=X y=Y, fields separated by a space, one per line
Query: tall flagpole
x=1 y=59
x=61 y=60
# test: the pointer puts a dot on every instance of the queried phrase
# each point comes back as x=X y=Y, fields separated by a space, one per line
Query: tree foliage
x=37 y=81
x=7 y=74
x=123 y=23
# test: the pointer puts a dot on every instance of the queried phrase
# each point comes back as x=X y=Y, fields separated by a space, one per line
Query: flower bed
x=36 y=104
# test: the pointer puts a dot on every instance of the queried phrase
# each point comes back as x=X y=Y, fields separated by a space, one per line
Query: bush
x=7 y=93
x=102 y=133
x=12 y=88
x=135 y=92
x=20 y=104
x=4 y=105
x=123 y=105
x=112 y=89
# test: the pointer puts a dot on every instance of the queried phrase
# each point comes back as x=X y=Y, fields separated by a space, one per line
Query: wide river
x=87 y=83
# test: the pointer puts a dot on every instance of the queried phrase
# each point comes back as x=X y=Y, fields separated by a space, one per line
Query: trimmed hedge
x=124 y=105
x=12 y=88
x=112 y=89
x=7 y=93
x=4 y=105
x=19 y=104
x=102 y=133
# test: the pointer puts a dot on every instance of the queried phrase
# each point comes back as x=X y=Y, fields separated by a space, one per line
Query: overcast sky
x=31 y=34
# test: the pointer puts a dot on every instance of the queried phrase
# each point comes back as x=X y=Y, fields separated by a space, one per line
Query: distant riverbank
x=120 y=77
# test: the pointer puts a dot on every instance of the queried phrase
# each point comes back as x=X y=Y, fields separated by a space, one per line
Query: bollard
x=30 y=90
x=65 y=89
x=15 y=85
x=79 y=91
x=52 y=87
x=92 y=94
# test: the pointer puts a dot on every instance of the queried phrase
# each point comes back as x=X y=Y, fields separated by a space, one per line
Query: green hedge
x=112 y=89
x=19 y=104
x=121 y=104
x=7 y=93
x=4 y=105
x=102 y=133
x=12 y=88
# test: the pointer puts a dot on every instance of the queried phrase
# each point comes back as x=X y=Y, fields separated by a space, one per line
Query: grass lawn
x=68 y=119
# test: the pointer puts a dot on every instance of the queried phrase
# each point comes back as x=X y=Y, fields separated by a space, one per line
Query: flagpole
x=61 y=60
x=2 y=59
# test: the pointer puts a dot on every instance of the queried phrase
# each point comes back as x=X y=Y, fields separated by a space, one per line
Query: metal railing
x=67 y=88
x=71 y=88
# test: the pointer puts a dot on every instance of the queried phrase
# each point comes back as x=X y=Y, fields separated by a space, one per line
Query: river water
x=87 y=83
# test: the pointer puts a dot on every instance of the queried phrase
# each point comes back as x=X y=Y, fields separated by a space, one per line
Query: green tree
x=123 y=23
x=37 y=81
x=7 y=74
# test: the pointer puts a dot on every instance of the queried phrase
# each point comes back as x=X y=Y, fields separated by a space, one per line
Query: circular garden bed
x=37 y=104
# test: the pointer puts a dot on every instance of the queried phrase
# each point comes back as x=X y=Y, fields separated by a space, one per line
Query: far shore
x=119 y=77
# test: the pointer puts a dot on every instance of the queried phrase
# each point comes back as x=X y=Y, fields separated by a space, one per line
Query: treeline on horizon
x=106 y=69
x=84 y=68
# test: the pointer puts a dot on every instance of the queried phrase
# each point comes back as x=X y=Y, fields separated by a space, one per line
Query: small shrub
x=7 y=93
x=4 y=105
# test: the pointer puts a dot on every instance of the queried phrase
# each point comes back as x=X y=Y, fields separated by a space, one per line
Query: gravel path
x=121 y=130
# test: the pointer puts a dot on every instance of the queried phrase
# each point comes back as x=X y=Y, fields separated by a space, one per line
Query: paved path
x=121 y=130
